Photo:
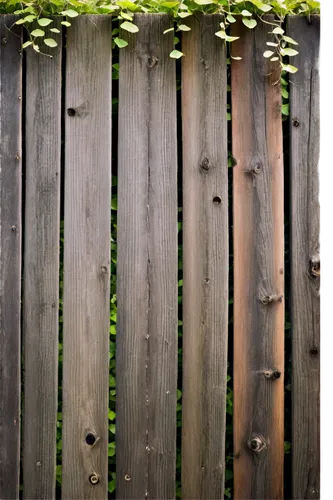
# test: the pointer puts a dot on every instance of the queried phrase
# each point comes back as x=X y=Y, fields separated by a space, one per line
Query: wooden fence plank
x=205 y=260
x=41 y=270
x=147 y=265
x=258 y=269
x=10 y=254
x=305 y=260
x=87 y=258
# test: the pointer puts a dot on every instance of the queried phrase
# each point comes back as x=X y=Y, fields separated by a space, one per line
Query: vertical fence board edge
x=258 y=269
x=41 y=270
x=205 y=260
x=305 y=258
x=87 y=257
x=10 y=254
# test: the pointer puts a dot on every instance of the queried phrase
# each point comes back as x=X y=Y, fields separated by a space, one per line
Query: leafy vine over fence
x=148 y=119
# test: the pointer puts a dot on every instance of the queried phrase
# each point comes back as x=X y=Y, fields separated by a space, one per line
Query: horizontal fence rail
x=168 y=148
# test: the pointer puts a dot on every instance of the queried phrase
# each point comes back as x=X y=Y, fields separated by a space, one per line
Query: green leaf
x=111 y=415
x=127 y=26
x=204 y=2
x=44 y=21
x=221 y=34
x=70 y=13
x=268 y=53
x=289 y=68
x=126 y=16
x=261 y=6
x=272 y=44
x=66 y=23
x=231 y=38
x=246 y=13
x=126 y=4
x=37 y=33
x=278 y=31
x=120 y=42
x=170 y=5
x=236 y=58
x=274 y=59
x=183 y=27
x=176 y=54
x=50 y=42
x=231 y=18
x=289 y=52
x=250 y=23
x=184 y=14
x=30 y=19
x=26 y=44
x=285 y=109
x=20 y=21
x=168 y=30
x=55 y=30
x=289 y=40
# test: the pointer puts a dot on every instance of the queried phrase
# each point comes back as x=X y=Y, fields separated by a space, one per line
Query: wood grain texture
x=305 y=258
x=10 y=254
x=258 y=269
x=205 y=260
x=41 y=270
x=147 y=264
x=87 y=257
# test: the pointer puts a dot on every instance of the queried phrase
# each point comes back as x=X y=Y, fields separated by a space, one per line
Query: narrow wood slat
x=258 y=268
x=41 y=270
x=147 y=265
x=205 y=260
x=87 y=257
x=10 y=254
x=305 y=259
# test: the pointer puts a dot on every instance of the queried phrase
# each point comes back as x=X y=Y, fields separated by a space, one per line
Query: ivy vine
x=39 y=13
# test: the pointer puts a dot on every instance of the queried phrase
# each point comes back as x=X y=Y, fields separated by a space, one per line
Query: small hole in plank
x=71 y=112
x=216 y=200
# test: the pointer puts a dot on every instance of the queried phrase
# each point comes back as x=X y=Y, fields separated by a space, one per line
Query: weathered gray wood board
x=305 y=258
x=205 y=260
x=147 y=265
x=258 y=269
x=10 y=254
x=87 y=258
x=41 y=270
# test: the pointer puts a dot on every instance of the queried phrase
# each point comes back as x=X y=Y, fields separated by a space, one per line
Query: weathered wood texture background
x=65 y=133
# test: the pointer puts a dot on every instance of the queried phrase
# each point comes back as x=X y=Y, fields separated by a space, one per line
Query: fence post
x=87 y=258
x=41 y=270
x=205 y=259
x=258 y=268
x=10 y=254
x=305 y=258
x=147 y=318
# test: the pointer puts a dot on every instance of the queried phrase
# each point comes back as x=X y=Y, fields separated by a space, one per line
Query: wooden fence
x=55 y=115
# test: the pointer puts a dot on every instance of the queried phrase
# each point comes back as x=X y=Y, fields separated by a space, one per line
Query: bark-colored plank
x=87 y=258
x=41 y=271
x=10 y=254
x=258 y=269
x=147 y=265
x=205 y=260
x=305 y=260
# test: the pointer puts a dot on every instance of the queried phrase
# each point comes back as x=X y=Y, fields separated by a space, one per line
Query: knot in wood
x=152 y=61
x=272 y=374
x=94 y=479
x=269 y=299
x=257 y=169
x=295 y=122
x=257 y=443
x=205 y=165
x=315 y=267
